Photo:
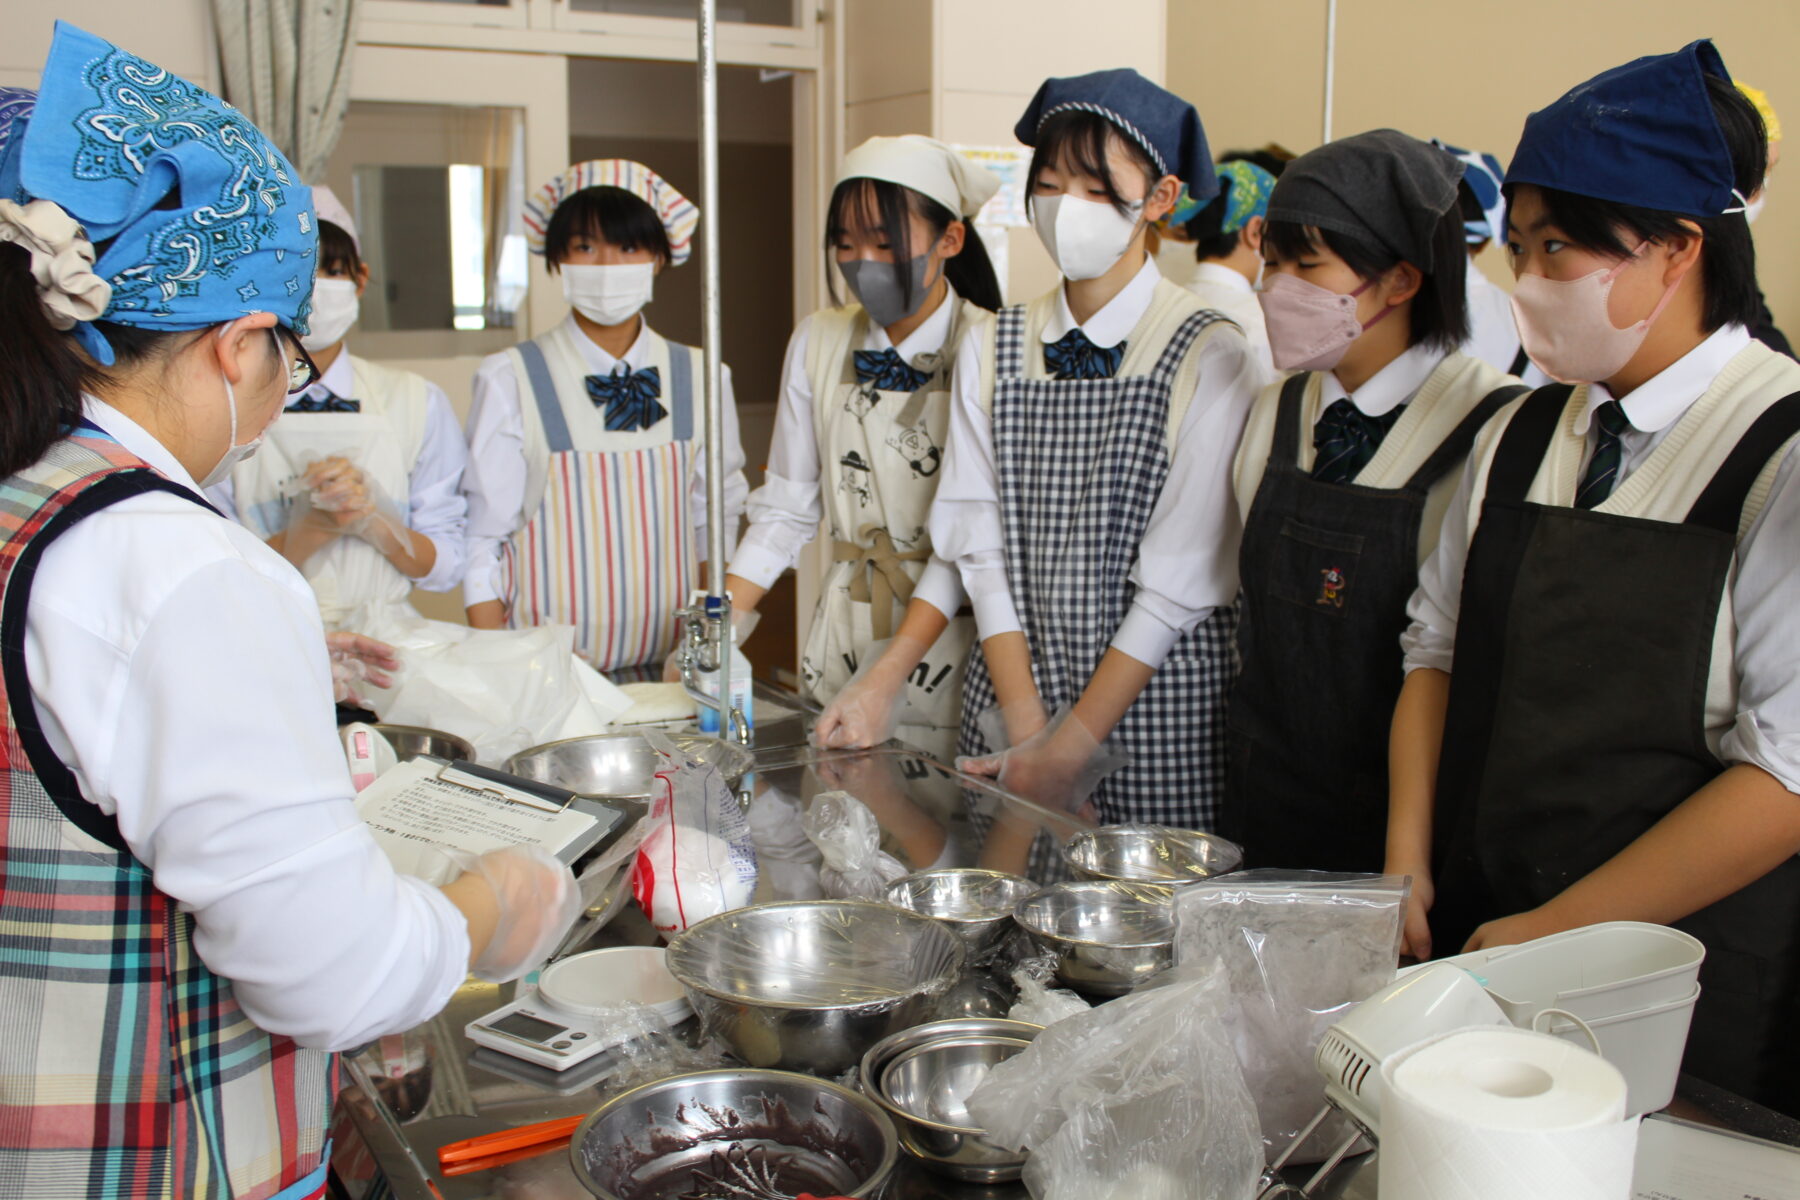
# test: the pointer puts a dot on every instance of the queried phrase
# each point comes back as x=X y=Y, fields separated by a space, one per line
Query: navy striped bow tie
x=1073 y=356
x=1346 y=438
x=630 y=398
x=886 y=371
x=330 y=402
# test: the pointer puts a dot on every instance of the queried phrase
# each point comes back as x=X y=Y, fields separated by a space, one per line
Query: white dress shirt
x=1224 y=290
x=179 y=669
x=1767 y=732
x=497 y=477
x=1187 y=562
x=434 y=502
x=785 y=511
x=1387 y=389
x=1493 y=334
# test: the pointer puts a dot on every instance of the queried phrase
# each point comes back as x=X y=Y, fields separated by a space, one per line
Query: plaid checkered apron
x=126 y=1066
x=1081 y=465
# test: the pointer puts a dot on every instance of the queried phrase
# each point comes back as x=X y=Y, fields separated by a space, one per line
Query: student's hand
x=1057 y=768
x=340 y=491
x=1517 y=929
x=1415 y=932
x=355 y=657
x=866 y=710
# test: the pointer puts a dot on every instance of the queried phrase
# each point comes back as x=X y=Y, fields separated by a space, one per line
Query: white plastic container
x=1596 y=972
x=1646 y=1045
x=587 y=985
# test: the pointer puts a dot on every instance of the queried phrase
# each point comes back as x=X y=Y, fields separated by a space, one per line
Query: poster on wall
x=1010 y=163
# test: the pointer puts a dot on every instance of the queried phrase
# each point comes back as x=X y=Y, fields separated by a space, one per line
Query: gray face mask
x=877 y=286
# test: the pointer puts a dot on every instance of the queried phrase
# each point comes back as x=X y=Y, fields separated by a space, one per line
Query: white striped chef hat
x=676 y=212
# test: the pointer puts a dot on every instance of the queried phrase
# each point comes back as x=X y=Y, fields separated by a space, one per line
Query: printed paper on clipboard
x=429 y=803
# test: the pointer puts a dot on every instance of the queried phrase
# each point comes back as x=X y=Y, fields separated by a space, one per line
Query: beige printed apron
x=879 y=457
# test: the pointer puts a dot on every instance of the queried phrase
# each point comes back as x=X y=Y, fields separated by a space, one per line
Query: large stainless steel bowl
x=926 y=1090
x=894 y=1045
x=789 y=1132
x=619 y=765
x=1151 y=854
x=413 y=741
x=1107 y=937
x=810 y=985
x=977 y=905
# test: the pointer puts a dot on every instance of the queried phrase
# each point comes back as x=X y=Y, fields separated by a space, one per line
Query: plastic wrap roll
x=1502 y=1114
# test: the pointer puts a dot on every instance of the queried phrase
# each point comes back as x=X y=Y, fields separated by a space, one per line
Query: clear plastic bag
x=1139 y=1099
x=1299 y=949
x=697 y=859
x=849 y=838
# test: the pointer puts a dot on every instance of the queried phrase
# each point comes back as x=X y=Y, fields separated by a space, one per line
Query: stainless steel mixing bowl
x=621 y=765
x=977 y=905
x=894 y=1045
x=1107 y=937
x=926 y=1090
x=1151 y=854
x=789 y=1132
x=810 y=985
x=412 y=741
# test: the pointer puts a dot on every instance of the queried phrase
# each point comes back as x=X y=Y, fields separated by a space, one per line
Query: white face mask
x=234 y=453
x=335 y=309
x=1085 y=237
x=611 y=293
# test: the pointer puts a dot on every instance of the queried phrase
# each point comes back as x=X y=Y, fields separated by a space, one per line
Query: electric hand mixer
x=1626 y=989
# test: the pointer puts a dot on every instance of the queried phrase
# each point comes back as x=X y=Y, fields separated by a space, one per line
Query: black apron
x=1327 y=570
x=1577 y=721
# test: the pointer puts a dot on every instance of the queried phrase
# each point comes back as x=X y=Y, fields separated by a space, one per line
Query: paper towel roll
x=1503 y=1114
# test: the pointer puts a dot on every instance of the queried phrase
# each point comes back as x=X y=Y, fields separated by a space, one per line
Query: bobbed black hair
x=1203 y=226
x=882 y=207
x=1727 y=253
x=337 y=250
x=1440 y=309
x=611 y=214
x=1081 y=140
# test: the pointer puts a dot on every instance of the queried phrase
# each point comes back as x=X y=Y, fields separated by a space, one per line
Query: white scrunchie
x=62 y=261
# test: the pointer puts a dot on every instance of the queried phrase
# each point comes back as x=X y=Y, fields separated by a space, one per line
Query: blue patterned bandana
x=197 y=217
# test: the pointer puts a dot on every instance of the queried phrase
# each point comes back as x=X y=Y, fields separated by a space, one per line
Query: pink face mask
x=1310 y=327
x=1566 y=326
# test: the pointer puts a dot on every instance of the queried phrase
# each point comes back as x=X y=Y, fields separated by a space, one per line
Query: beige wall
x=180 y=37
x=1469 y=73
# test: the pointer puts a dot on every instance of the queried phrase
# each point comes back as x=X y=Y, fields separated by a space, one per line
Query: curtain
x=286 y=65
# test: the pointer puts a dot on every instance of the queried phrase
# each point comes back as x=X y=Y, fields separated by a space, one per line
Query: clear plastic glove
x=337 y=496
x=536 y=903
x=866 y=710
x=1056 y=768
x=355 y=658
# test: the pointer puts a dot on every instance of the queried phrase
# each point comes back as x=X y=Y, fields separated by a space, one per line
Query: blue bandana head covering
x=197 y=218
x=1164 y=125
x=1482 y=175
x=1642 y=134
x=1247 y=193
x=15 y=107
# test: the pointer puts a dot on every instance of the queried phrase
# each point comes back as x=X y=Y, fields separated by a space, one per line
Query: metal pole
x=1330 y=65
x=714 y=386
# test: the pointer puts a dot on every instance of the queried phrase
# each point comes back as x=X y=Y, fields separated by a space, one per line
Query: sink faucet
x=703 y=626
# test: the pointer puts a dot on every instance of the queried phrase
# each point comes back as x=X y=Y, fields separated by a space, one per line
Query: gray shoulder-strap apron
x=1577 y=722
x=1081 y=464
x=1327 y=569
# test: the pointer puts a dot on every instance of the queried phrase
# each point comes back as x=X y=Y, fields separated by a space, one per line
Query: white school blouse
x=498 y=477
x=786 y=510
x=1187 y=563
x=178 y=666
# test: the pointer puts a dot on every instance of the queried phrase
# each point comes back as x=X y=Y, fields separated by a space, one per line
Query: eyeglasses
x=303 y=372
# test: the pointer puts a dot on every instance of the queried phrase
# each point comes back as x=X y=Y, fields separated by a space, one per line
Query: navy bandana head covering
x=1164 y=125
x=197 y=217
x=1642 y=134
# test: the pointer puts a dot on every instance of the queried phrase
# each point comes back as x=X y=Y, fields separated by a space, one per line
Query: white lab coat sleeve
x=965 y=518
x=1766 y=733
x=436 y=505
x=204 y=723
x=1187 y=562
x=737 y=488
x=495 y=479
x=785 y=511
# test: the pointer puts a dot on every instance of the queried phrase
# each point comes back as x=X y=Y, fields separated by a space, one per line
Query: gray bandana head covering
x=1382 y=188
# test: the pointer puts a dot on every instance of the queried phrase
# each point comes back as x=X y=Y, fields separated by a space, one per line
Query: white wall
x=180 y=38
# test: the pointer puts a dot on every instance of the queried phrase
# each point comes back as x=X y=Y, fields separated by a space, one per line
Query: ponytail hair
x=879 y=206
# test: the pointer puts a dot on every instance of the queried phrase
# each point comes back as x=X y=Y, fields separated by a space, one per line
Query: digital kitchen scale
x=574 y=1012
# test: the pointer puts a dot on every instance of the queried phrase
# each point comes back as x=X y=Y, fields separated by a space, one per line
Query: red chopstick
x=522 y=1137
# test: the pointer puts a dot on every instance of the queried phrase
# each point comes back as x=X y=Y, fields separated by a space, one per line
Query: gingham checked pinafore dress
x=1081 y=464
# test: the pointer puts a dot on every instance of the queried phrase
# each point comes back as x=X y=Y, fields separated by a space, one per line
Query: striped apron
x=610 y=547
x=126 y=1066
x=1081 y=465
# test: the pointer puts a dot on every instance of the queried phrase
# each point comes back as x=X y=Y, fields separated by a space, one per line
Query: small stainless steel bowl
x=793 y=1132
x=621 y=765
x=893 y=1046
x=1107 y=937
x=810 y=985
x=977 y=905
x=926 y=1090
x=1151 y=854
x=413 y=741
